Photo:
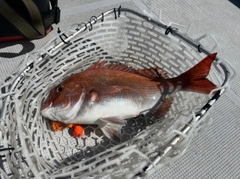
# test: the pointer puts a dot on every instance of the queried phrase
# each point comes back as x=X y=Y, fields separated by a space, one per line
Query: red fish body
x=106 y=94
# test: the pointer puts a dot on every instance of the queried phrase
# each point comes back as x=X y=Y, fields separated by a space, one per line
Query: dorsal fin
x=98 y=65
x=102 y=64
x=153 y=73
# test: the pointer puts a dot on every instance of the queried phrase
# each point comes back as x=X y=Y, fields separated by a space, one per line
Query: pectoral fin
x=113 y=120
x=111 y=127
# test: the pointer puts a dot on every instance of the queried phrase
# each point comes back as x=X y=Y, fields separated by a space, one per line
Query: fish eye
x=60 y=88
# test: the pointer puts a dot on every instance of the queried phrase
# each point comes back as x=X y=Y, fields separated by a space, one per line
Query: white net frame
x=121 y=35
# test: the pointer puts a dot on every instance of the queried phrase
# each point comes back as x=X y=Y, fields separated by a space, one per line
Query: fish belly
x=116 y=108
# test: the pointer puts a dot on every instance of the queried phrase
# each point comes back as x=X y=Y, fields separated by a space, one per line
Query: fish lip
x=45 y=106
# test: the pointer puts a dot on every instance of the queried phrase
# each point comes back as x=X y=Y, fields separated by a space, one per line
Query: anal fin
x=162 y=108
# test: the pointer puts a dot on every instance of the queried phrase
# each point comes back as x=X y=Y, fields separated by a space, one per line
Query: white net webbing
x=39 y=152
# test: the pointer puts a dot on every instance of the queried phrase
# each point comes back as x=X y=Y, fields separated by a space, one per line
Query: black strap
x=36 y=17
x=53 y=17
x=38 y=24
x=19 y=22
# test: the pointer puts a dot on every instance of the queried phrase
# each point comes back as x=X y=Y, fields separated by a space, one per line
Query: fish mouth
x=55 y=114
x=50 y=112
x=46 y=112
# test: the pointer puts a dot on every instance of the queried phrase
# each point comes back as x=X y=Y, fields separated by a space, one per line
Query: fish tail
x=195 y=78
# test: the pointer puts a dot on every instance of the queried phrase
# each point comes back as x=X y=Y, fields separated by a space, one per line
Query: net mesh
x=39 y=152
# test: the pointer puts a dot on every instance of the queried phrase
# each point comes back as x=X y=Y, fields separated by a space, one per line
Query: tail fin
x=195 y=78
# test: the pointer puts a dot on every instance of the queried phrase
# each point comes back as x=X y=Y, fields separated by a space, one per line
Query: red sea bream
x=107 y=94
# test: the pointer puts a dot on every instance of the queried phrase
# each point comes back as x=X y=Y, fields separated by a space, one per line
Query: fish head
x=63 y=102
